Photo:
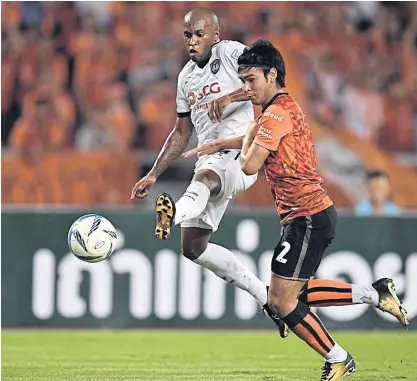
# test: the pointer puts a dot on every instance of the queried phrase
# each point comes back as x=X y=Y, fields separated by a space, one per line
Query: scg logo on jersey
x=212 y=88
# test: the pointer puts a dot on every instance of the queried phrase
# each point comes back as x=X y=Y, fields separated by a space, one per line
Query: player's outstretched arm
x=216 y=107
x=252 y=155
x=215 y=146
x=174 y=145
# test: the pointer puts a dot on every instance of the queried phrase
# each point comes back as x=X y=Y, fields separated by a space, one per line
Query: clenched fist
x=140 y=190
x=216 y=108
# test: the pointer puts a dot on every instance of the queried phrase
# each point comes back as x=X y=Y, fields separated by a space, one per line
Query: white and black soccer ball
x=92 y=238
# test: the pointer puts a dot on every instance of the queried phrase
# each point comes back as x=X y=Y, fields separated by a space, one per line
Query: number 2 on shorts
x=285 y=250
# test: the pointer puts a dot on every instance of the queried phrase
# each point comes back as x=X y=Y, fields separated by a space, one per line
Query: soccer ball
x=92 y=238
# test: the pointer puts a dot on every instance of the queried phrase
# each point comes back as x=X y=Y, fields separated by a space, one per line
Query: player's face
x=258 y=88
x=199 y=37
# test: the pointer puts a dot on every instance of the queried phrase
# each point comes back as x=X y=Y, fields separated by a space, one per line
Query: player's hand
x=140 y=190
x=217 y=107
x=252 y=129
x=205 y=149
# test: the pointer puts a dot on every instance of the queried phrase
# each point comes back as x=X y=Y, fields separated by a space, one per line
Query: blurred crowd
x=103 y=74
x=360 y=63
x=83 y=75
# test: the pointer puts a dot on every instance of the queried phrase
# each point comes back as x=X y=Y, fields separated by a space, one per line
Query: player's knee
x=273 y=303
x=276 y=303
x=281 y=303
x=211 y=180
x=192 y=250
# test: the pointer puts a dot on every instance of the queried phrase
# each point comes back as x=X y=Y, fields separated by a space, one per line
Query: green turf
x=196 y=355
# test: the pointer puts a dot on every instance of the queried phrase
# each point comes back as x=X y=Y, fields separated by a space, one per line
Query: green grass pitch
x=196 y=356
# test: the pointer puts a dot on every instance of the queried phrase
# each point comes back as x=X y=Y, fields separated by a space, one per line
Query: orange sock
x=325 y=293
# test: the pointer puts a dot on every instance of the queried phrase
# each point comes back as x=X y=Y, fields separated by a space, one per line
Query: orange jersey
x=290 y=167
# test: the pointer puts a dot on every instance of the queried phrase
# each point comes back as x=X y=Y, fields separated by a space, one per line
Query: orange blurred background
x=88 y=94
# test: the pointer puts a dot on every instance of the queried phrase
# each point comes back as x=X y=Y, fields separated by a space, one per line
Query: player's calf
x=165 y=213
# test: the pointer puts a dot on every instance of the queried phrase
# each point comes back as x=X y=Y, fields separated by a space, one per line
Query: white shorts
x=227 y=166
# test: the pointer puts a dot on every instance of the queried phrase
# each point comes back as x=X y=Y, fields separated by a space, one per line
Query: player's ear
x=217 y=35
x=272 y=75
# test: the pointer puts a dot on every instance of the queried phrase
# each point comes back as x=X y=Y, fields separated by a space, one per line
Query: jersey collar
x=216 y=43
x=272 y=101
x=211 y=52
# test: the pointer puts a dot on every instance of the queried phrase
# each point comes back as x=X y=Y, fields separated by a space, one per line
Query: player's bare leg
x=283 y=300
x=381 y=294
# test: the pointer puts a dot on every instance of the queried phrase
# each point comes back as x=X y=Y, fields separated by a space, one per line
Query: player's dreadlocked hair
x=264 y=55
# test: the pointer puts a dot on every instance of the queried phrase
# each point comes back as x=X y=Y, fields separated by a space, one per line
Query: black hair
x=374 y=174
x=263 y=54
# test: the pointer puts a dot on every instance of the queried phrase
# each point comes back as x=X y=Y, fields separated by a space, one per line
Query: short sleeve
x=183 y=108
x=231 y=52
x=274 y=124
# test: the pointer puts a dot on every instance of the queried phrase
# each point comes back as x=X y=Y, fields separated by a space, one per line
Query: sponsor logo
x=265 y=132
x=191 y=293
x=99 y=245
x=272 y=115
x=204 y=106
x=191 y=98
x=212 y=88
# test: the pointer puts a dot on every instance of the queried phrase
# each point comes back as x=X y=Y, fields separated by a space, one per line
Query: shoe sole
x=402 y=311
x=165 y=210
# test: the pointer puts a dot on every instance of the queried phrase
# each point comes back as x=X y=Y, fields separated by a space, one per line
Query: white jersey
x=197 y=87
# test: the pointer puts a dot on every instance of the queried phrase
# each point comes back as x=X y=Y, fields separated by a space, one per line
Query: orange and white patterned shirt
x=290 y=167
